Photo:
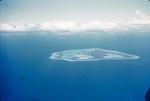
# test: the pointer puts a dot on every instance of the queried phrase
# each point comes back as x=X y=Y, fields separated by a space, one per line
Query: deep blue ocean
x=27 y=73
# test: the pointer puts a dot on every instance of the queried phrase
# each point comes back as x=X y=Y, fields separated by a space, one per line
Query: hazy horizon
x=39 y=11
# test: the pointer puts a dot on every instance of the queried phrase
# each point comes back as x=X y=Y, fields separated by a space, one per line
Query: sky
x=39 y=11
x=75 y=15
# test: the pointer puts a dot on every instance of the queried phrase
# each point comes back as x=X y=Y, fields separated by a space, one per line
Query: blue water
x=27 y=73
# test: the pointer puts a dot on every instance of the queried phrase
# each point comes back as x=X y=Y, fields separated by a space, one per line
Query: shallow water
x=27 y=73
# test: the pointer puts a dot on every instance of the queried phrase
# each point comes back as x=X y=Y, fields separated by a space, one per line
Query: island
x=91 y=54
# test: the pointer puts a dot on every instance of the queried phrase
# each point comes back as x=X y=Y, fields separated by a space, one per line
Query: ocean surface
x=27 y=73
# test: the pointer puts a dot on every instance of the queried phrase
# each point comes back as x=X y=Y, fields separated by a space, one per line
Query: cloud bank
x=141 y=23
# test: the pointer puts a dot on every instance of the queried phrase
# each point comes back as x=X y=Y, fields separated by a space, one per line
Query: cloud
x=12 y=27
x=140 y=23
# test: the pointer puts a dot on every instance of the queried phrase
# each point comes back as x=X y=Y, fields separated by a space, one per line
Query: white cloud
x=12 y=27
x=141 y=23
